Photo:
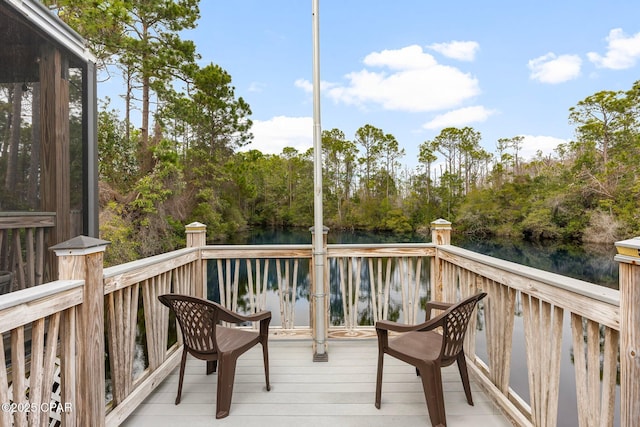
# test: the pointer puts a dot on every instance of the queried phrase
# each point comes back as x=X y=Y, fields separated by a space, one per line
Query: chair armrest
x=384 y=326
x=438 y=305
x=387 y=325
x=227 y=315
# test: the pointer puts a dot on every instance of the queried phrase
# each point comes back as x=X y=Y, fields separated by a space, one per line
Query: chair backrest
x=455 y=323
x=197 y=319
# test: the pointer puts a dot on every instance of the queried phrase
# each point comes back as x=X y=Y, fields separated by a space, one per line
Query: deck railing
x=37 y=350
x=541 y=299
x=22 y=249
x=367 y=283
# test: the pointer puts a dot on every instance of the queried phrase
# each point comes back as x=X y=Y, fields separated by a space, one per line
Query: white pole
x=318 y=249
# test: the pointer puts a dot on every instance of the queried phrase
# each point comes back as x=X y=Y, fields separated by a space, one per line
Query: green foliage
x=206 y=211
x=183 y=164
x=397 y=222
x=115 y=228
x=539 y=225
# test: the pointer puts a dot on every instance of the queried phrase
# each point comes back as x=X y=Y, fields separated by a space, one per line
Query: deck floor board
x=336 y=393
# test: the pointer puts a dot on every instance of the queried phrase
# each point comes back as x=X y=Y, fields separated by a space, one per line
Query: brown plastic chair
x=206 y=339
x=428 y=351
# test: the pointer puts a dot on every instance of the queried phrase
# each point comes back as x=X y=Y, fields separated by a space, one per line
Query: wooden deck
x=337 y=393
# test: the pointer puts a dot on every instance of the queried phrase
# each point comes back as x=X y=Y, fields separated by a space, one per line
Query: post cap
x=441 y=224
x=195 y=226
x=325 y=229
x=629 y=247
x=80 y=245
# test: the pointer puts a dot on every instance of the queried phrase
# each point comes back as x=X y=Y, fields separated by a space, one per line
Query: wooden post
x=629 y=258
x=197 y=237
x=54 y=130
x=440 y=235
x=82 y=258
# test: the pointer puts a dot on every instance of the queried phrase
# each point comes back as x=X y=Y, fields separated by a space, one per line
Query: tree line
x=185 y=162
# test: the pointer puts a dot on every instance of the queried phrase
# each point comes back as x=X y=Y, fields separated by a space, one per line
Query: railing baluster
x=18 y=374
x=294 y=291
x=49 y=365
x=343 y=289
x=356 y=293
x=5 y=395
x=416 y=289
x=387 y=290
x=499 y=314
x=227 y=284
x=36 y=374
x=375 y=286
x=221 y=288
x=280 y=290
x=596 y=396
x=30 y=258
x=543 y=334
x=252 y=296
x=265 y=282
x=68 y=366
x=236 y=279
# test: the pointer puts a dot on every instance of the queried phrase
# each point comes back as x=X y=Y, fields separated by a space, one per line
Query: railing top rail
x=381 y=249
x=12 y=220
x=257 y=251
x=37 y=292
x=304 y=250
x=21 y=307
x=587 y=289
x=275 y=246
x=379 y=245
x=142 y=264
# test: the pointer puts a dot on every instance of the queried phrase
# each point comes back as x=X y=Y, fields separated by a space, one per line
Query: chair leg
x=265 y=357
x=379 y=379
x=464 y=374
x=432 y=386
x=226 y=375
x=182 y=363
x=212 y=365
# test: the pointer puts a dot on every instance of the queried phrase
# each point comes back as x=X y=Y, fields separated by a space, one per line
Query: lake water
x=592 y=263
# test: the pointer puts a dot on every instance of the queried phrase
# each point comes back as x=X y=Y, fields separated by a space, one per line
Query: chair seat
x=230 y=339
x=423 y=345
x=428 y=350
x=204 y=336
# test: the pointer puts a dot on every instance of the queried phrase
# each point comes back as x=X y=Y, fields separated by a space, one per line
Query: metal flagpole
x=318 y=247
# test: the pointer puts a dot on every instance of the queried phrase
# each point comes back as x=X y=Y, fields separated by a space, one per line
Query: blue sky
x=414 y=67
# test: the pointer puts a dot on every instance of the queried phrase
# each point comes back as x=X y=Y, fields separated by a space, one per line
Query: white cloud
x=271 y=136
x=304 y=84
x=415 y=83
x=622 y=52
x=462 y=51
x=460 y=117
x=531 y=144
x=307 y=86
x=554 y=69
x=407 y=58
x=256 y=87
